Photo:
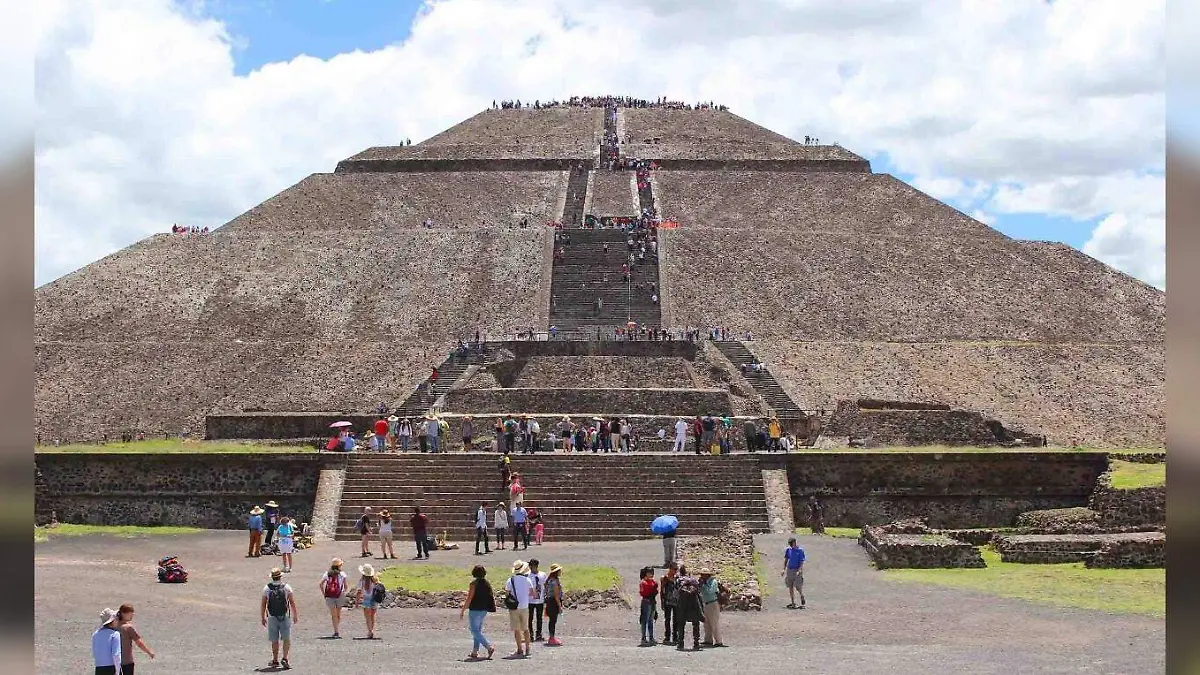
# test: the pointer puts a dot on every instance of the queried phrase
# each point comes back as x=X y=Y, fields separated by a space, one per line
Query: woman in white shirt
x=386 y=542
x=404 y=432
x=501 y=524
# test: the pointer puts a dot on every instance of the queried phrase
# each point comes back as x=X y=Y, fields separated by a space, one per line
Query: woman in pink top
x=516 y=490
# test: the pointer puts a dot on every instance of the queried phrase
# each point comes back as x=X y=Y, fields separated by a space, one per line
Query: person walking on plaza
x=710 y=594
x=433 y=430
x=688 y=610
x=793 y=572
x=648 y=590
x=668 y=596
x=363 y=527
x=129 y=638
x=287 y=541
x=481 y=529
x=500 y=521
x=387 y=535
x=555 y=600
x=278 y=614
x=270 y=521
x=333 y=588
x=518 y=592
x=480 y=601
x=369 y=594
x=420 y=528
x=106 y=644
x=255 y=523
x=537 y=604
x=520 y=521
x=669 y=547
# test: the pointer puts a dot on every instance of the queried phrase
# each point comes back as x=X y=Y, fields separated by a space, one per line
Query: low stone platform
x=1130 y=547
x=925 y=550
x=574 y=400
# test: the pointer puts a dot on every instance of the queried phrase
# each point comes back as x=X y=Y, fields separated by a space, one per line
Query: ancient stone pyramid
x=332 y=295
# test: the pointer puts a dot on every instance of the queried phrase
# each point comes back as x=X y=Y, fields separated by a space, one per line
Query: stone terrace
x=1094 y=395
x=827 y=286
x=303 y=286
x=611 y=195
x=714 y=134
x=365 y=201
x=610 y=371
x=810 y=203
x=507 y=134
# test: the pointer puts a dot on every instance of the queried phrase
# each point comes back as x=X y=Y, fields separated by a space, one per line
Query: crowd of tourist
x=605 y=101
x=189 y=229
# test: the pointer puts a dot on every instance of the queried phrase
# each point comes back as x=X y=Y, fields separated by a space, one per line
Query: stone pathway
x=858 y=622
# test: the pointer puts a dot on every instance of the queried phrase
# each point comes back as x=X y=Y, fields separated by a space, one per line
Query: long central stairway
x=587 y=272
x=583 y=497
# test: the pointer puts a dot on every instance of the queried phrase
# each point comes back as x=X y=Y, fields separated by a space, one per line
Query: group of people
x=605 y=101
x=188 y=229
x=382 y=526
x=528 y=595
x=525 y=523
x=114 y=640
x=272 y=532
x=714 y=434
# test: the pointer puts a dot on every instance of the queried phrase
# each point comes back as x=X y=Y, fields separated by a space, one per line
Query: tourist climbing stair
x=764 y=382
x=425 y=395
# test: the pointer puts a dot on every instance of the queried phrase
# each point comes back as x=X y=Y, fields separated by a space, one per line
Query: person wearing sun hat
x=106 y=644
x=555 y=599
x=255 y=523
x=710 y=593
x=367 y=596
x=278 y=614
x=521 y=589
x=270 y=521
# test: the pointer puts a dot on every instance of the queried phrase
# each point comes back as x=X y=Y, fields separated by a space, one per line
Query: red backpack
x=333 y=586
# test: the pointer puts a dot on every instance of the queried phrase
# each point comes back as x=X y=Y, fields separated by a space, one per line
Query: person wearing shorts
x=278 y=619
x=793 y=572
x=520 y=587
x=333 y=588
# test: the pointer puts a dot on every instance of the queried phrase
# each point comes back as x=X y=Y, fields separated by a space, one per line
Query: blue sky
x=266 y=31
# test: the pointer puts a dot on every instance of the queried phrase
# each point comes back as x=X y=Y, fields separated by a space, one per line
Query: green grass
x=1131 y=475
x=127 y=531
x=1134 y=591
x=969 y=449
x=762 y=574
x=836 y=532
x=443 y=579
x=174 y=445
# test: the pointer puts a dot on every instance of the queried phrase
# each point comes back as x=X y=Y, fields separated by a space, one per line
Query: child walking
x=648 y=589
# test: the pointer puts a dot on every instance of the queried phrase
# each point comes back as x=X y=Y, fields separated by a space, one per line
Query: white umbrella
x=343 y=423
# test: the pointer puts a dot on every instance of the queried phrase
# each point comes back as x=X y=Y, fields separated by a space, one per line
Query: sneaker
x=679 y=646
x=791 y=605
x=666 y=641
x=554 y=642
x=273 y=664
x=539 y=639
x=720 y=644
x=285 y=664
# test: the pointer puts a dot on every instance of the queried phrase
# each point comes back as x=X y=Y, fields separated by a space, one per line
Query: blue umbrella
x=664 y=524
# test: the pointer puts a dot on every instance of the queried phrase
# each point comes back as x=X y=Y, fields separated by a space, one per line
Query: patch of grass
x=174 y=445
x=126 y=531
x=948 y=449
x=1131 y=475
x=762 y=574
x=1134 y=591
x=443 y=578
x=836 y=532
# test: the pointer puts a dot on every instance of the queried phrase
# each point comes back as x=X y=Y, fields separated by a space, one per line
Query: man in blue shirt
x=520 y=527
x=793 y=571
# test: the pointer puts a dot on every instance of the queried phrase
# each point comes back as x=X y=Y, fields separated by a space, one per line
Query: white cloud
x=142 y=122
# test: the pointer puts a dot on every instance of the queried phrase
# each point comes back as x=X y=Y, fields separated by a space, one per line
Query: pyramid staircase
x=764 y=383
x=419 y=402
x=580 y=277
x=577 y=184
x=583 y=497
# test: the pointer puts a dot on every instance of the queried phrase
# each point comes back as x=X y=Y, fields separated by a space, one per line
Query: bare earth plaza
x=600 y=335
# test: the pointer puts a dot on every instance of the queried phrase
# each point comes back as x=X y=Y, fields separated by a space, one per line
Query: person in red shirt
x=420 y=527
x=648 y=589
x=381 y=433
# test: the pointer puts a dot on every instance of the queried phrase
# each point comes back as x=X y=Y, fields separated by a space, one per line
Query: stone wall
x=463 y=159
x=732 y=552
x=1134 y=549
x=919 y=550
x=682 y=349
x=597 y=371
x=951 y=490
x=913 y=426
x=575 y=400
x=1128 y=553
x=1140 y=506
x=209 y=490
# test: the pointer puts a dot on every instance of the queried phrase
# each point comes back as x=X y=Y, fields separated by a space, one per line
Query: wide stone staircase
x=588 y=272
x=582 y=497
x=577 y=184
x=420 y=400
x=764 y=383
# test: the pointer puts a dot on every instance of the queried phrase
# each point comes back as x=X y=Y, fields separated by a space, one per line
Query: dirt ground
x=857 y=621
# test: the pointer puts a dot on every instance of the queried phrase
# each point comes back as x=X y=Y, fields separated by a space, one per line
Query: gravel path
x=858 y=621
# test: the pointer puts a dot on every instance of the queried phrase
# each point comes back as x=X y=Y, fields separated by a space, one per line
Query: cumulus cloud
x=998 y=107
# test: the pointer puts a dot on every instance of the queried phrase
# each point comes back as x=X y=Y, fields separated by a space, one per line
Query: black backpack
x=378 y=593
x=277 y=604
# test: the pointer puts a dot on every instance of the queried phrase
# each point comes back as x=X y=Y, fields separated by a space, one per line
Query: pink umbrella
x=343 y=423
